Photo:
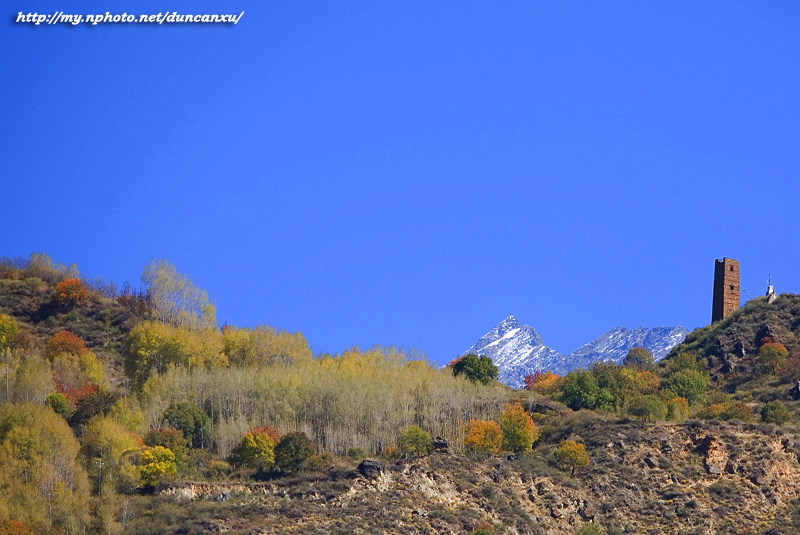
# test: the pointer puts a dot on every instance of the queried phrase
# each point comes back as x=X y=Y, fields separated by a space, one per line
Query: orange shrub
x=483 y=436
x=64 y=342
x=71 y=292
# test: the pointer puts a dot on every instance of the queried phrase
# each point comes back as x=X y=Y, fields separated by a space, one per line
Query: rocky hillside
x=687 y=478
x=518 y=349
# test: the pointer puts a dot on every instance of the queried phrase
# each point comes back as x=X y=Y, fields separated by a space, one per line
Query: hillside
x=241 y=430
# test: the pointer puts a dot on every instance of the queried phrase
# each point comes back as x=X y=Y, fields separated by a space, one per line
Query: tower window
x=731 y=268
x=731 y=288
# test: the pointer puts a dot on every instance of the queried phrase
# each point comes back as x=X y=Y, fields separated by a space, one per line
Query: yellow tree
x=572 y=455
x=518 y=428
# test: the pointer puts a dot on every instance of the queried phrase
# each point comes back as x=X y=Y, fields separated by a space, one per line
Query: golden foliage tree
x=41 y=482
x=152 y=347
x=156 y=463
x=174 y=298
x=483 y=436
x=518 y=428
x=572 y=455
x=8 y=331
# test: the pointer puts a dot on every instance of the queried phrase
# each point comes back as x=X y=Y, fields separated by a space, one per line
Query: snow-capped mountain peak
x=518 y=349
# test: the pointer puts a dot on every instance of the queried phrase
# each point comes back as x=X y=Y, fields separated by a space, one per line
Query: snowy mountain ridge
x=518 y=349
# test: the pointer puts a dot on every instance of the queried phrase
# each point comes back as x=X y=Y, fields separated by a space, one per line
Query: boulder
x=440 y=444
x=370 y=468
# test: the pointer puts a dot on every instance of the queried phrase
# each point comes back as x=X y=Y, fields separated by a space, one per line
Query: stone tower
x=726 y=288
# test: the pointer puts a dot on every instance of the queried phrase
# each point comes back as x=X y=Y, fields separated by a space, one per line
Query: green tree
x=292 y=452
x=191 y=420
x=518 y=428
x=775 y=412
x=572 y=455
x=175 y=299
x=687 y=383
x=156 y=463
x=476 y=368
x=416 y=440
x=579 y=390
x=60 y=404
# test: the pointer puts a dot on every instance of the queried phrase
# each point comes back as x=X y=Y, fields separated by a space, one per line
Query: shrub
x=771 y=356
x=483 y=436
x=476 y=369
x=775 y=412
x=518 y=428
x=64 y=342
x=14 y=527
x=590 y=529
x=572 y=455
x=71 y=292
x=677 y=409
x=292 y=452
x=8 y=331
x=357 y=453
x=648 y=408
x=790 y=370
x=156 y=463
x=256 y=450
x=417 y=441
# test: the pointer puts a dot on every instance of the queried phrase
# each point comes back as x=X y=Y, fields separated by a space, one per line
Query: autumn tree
x=292 y=452
x=572 y=455
x=483 y=436
x=772 y=355
x=639 y=358
x=156 y=463
x=109 y=449
x=518 y=428
x=175 y=300
x=8 y=331
x=71 y=292
x=41 y=481
x=170 y=438
x=64 y=342
x=476 y=368
x=264 y=345
x=151 y=347
x=257 y=448
x=540 y=381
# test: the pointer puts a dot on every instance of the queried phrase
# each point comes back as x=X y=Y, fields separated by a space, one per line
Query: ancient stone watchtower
x=726 y=288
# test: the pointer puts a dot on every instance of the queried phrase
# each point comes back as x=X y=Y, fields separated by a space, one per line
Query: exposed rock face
x=440 y=444
x=666 y=479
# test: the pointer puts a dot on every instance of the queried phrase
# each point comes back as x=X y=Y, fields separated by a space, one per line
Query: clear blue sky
x=412 y=172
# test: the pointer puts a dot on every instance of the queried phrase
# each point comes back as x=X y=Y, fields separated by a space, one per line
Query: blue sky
x=411 y=173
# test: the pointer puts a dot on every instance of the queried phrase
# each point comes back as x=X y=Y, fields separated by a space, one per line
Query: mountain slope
x=518 y=349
